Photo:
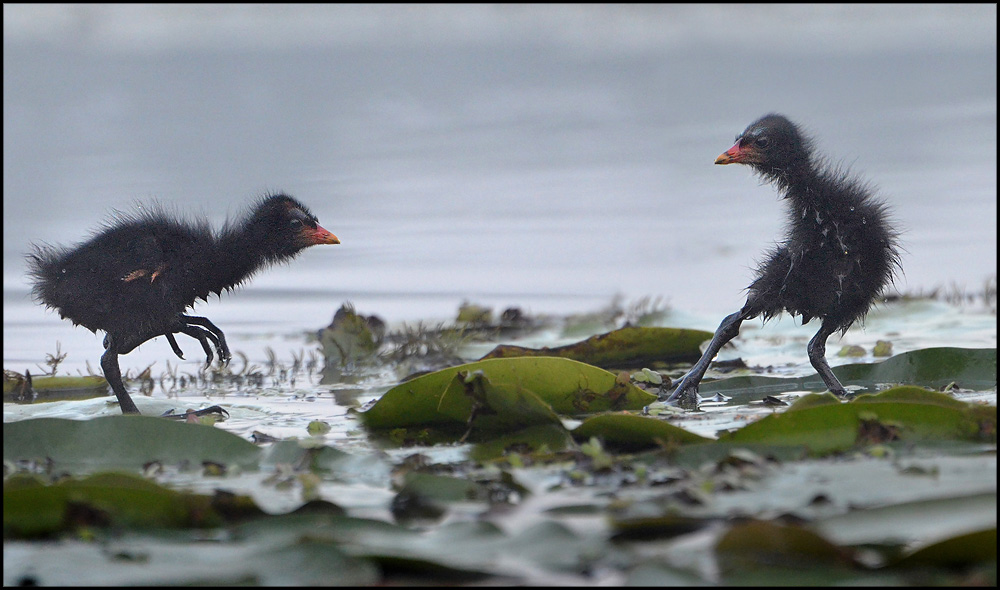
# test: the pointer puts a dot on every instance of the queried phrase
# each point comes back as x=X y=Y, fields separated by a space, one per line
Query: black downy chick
x=838 y=257
x=137 y=276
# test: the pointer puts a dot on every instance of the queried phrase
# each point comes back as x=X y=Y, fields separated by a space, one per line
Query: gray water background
x=548 y=157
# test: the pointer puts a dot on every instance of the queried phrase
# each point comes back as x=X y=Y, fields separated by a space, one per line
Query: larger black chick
x=136 y=278
x=837 y=259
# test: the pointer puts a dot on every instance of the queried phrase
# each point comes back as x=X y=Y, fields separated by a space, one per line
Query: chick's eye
x=295 y=223
x=762 y=141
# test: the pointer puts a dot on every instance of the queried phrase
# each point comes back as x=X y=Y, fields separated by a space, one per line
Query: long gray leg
x=113 y=374
x=817 y=356
x=686 y=393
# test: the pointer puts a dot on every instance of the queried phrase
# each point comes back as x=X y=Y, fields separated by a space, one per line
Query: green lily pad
x=632 y=432
x=566 y=386
x=472 y=399
x=911 y=394
x=960 y=551
x=753 y=545
x=814 y=400
x=974 y=368
x=57 y=388
x=544 y=438
x=626 y=347
x=309 y=562
x=122 y=442
x=112 y=499
x=899 y=413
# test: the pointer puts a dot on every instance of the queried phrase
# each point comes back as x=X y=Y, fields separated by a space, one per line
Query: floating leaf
x=757 y=544
x=882 y=348
x=568 y=386
x=112 y=499
x=626 y=347
x=905 y=413
x=50 y=389
x=647 y=376
x=929 y=367
x=957 y=552
x=911 y=394
x=122 y=441
x=318 y=428
x=547 y=437
x=472 y=399
x=634 y=432
x=813 y=400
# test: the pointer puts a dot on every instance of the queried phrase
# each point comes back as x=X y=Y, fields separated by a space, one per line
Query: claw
x=173 y=345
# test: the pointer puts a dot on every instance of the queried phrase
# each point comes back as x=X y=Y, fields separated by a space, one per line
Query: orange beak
x=740 y=154
x=319 y=236
x=733 y=155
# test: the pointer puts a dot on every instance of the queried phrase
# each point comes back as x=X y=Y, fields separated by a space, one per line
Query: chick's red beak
x=734 y=155
x=317 y=236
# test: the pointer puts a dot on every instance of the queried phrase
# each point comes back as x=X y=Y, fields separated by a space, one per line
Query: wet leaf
x=122 y=441
x=956 y=552
x=911 y=395
x=813 y=400
x=472 y=399
x=308 y=562
x=929 y=367
x=109 y=499
x=882 y=348
x=442 y=488
x=318 y=428
x=59 y=388
x=947 y=507
x=545 y=438
x=567 y=386
x=634 y=432
x=626 y=347
x=759 y=544
x=907 y=413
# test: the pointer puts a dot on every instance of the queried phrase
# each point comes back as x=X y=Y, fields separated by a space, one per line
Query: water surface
x=545 y=157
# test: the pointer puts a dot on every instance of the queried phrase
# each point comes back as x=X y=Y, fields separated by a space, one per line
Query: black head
x=280 y=227
x=772 y=145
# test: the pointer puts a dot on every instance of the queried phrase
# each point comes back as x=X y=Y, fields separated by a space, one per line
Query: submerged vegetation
x=447 y=454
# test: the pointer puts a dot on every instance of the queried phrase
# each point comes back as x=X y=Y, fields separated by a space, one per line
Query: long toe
x=685 y=396
x=216 y=410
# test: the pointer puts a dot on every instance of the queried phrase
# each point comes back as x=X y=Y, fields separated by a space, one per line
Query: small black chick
x=839 y=255
x=135 y=278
